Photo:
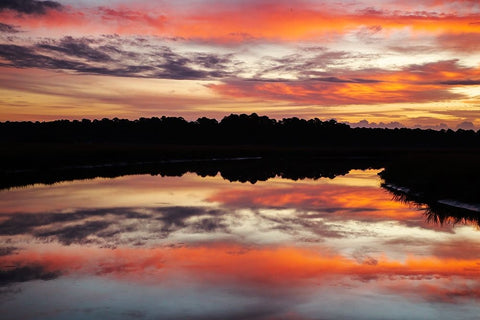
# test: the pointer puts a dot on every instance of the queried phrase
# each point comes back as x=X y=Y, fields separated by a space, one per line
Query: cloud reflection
x=279 y=249
x=281 y=268
x=332 y=202
x=114 y=226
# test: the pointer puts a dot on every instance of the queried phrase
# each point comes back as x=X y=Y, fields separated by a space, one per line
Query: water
x=191 y=247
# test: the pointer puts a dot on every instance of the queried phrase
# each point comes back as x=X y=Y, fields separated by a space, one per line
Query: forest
x=233 y=129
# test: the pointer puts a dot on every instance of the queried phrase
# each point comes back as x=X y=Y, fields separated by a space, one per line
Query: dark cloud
x=111 y=227
x=305 y=66
x=362 y=256
x=106 y=56
x=16 y=274
x=178 y=70
x=175 y=218
x=318 y=228
x=339 y=80
x=371 y=11
x=107 y=226
x=30 y=6
x=176 y=66
x=367 y=124
x=6 y=28
x=76 y=234
x=5 y=251
x=77 y=48
x=212 y=61
x=466 y=82
x=24 y=57
x=300 y=222
x=209 y=225
x=26 y=223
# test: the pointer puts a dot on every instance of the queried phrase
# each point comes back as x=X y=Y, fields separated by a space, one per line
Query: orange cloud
x=414 y=83
x=239 y=22
x=347 y=201
x=226 y=262
x=317 y=93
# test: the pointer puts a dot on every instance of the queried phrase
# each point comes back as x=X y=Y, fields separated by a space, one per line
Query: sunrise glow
x=394 y=63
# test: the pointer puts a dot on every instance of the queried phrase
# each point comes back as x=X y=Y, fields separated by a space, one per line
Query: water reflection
x=233 y=169
x=438 y=211
x=151 y=247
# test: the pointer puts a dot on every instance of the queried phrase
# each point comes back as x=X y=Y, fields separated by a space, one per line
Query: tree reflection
x=249 y=170
x=434 y=210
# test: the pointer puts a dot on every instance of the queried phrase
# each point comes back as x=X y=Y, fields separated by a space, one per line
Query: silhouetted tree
x=234 y=129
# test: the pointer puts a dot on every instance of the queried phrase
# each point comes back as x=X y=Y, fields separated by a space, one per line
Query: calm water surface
x=151 y=247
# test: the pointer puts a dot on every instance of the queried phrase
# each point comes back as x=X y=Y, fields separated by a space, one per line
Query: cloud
x=434 y=126
x=76 y=48
x=367 y=124
x=460 y=42
x=212 y=61
x=111 y=226
x=25 y=223
x=30 y=6
x=362 y=256
x=5 y=251
x=20 y=223
x=252 y=267
x=106 y=56
x=409 y=241
x=77 y=234
x=309 y=21
x=246 y=21
x=24 y=57
x=178 y=69
x=440 y=126
x=324 y=202
x=310 y=226
x=466 y=125
x=412 y=83
x=413 y=49
x=451 y=250
x=318 y=64
x=461 y=82
x=338 y=80
x=333 y=93
x=175 y=218
x=6 y=28
x=26 y=273
x=225 y=42
x=125 y=19
x=462 y=113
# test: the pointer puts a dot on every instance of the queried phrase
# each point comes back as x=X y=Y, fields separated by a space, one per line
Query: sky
x=385 y=63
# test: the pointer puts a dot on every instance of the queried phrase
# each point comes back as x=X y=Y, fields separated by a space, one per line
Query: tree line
x=234 y=129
